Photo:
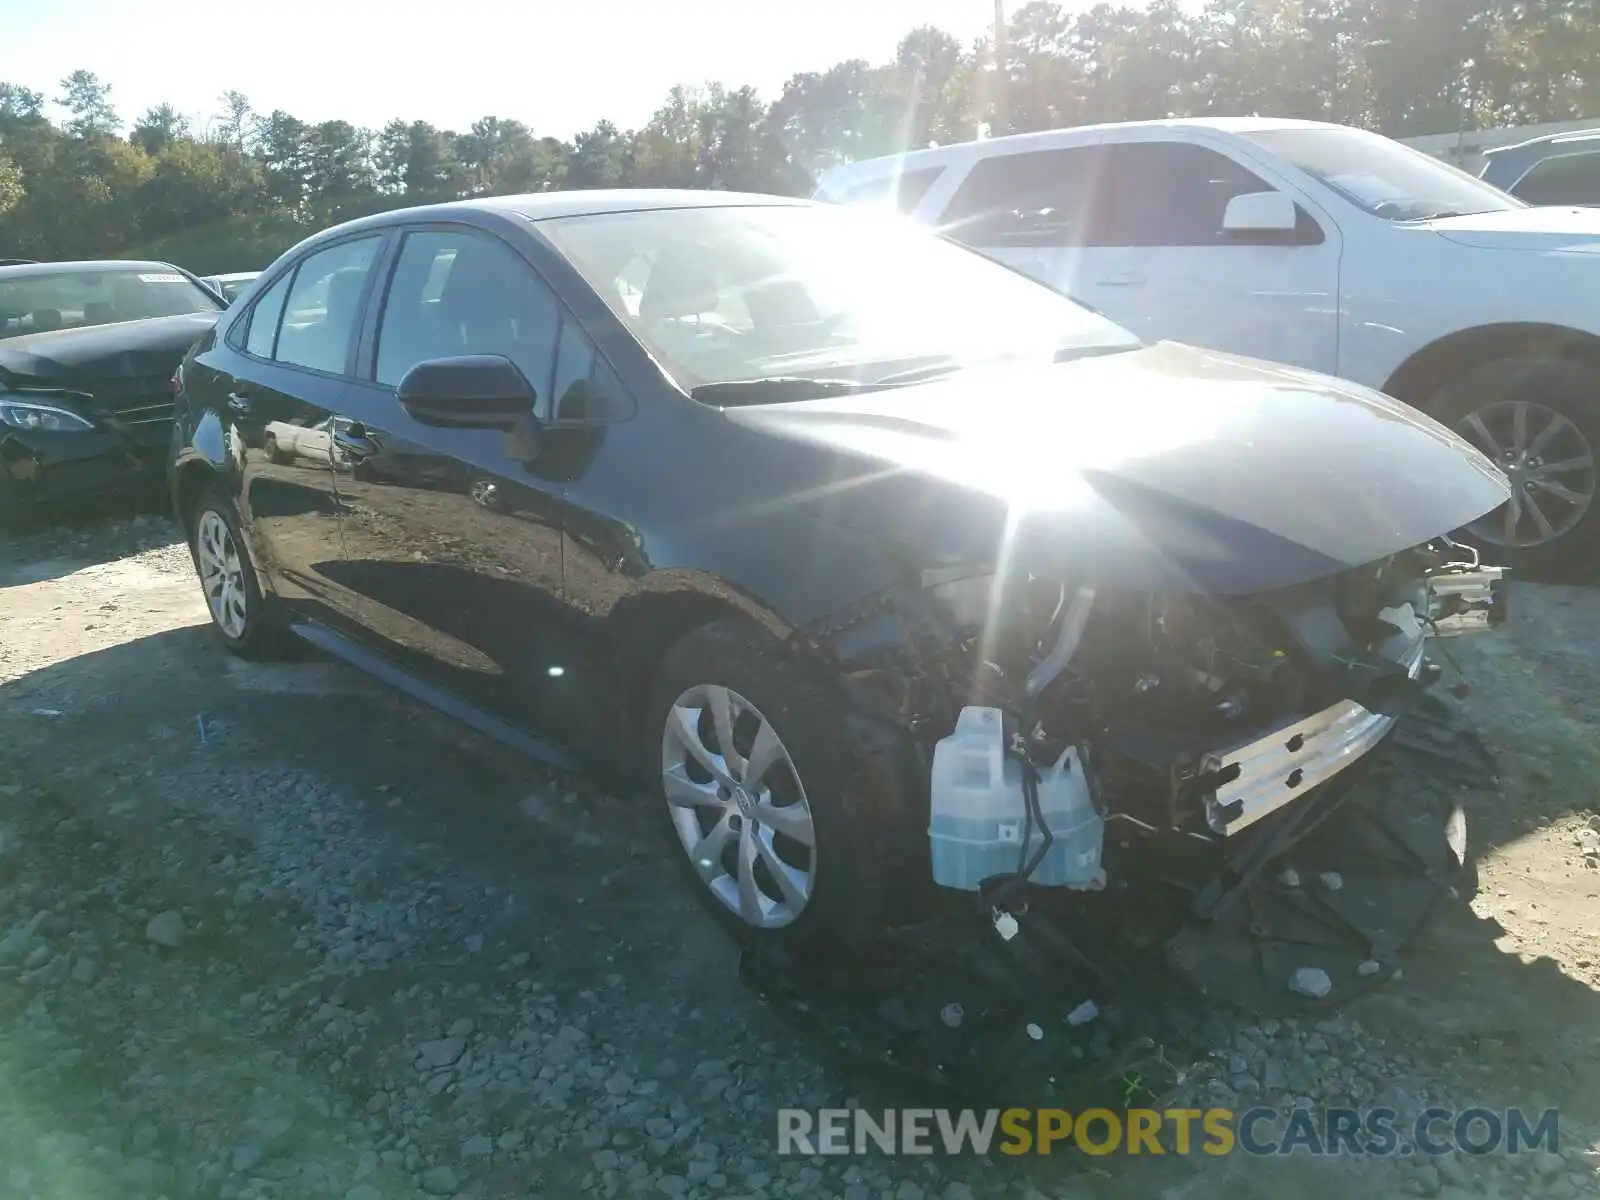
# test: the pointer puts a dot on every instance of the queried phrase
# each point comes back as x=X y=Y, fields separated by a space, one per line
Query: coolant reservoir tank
x=978 y=813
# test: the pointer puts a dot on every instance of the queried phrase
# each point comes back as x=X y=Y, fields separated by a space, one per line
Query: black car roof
x=542 y=206
x=75 y=268
x=545 y=206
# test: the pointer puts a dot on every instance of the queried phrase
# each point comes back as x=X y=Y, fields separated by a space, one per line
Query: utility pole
x=1001 y=123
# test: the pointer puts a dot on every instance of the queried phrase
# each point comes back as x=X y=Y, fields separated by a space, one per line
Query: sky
x=559 y=67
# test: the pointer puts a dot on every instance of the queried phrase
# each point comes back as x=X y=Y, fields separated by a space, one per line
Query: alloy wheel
x=222 y=574
x=1550 y=464
x=738 y=806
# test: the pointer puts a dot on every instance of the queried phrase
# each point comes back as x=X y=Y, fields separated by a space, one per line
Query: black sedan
x=87 y=354
x=882 y=564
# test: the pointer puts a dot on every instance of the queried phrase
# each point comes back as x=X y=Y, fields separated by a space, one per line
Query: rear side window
x=1567 y=179
x=904 y=190
x=1039 y=198
x=265 y=316
x=324 y=301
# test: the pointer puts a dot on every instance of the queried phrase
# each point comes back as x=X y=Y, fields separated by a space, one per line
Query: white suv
x=1318 y=246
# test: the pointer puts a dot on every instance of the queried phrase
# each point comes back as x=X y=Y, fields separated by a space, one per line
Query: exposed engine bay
x=1115 y=781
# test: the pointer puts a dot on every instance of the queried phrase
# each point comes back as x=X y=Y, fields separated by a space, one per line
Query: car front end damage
x=86 y=414
x=63 y=445
x=1248 y=794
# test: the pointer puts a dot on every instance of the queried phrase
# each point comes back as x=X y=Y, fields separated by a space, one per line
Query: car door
x=1157 y=260
x=1028 y=209
x=453 y=537
x=284 y=373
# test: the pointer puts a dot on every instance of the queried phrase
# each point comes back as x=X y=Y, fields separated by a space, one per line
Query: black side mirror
x=474 y=391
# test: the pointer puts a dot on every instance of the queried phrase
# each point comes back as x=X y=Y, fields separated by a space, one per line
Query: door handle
x=1123 y=279
x=239 y=404
x=355 y=442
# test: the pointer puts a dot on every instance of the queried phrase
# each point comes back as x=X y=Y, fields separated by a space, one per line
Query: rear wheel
x=275 y=452
x=240 y=611
x=1539 y=420
x=771 y=823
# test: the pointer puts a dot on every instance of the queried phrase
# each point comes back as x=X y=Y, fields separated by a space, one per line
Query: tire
x=1562 y=394
x=275 y=452
x=243 y=616
x=817 y=778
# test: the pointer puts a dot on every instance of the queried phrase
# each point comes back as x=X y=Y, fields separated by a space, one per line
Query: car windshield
x=39 y=301
x=812 y=294
x=1382 y=176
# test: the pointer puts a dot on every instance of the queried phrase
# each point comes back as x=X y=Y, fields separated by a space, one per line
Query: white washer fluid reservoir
x=978 y=813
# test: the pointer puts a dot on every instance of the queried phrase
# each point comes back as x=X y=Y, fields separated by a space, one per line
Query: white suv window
x=1166 y=194
x=1040 y=198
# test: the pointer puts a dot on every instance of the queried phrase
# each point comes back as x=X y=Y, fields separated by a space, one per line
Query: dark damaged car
x=922 y=598
x=87 y=354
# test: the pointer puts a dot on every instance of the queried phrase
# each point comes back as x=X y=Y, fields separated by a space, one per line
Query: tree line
x=233 y=193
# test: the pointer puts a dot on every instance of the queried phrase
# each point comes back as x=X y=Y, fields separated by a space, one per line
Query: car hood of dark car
x=125 y=349
x=1161 y=467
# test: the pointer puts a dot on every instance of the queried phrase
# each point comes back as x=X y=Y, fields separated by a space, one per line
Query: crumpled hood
x=1574 y=230
x=127 y=349
x=1165 y=466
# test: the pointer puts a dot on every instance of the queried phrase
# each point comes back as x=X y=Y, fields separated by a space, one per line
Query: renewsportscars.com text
x=1181 y=1131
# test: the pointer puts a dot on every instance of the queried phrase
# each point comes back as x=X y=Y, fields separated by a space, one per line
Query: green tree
x=159 y=129
x=237 y=121
x=600 y=158
x=282 y=144
x=20 y=104
x=247 y=186
x=89 y=102
x=10 y=185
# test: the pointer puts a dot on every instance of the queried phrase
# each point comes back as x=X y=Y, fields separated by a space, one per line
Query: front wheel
x=765 y=810
x=240 y=612
x=1538 y=418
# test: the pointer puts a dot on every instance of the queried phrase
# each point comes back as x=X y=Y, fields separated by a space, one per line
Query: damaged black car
x=929 y=604
x=87 y=352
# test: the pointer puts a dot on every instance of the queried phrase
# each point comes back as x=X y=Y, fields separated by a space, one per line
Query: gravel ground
x=272 y=931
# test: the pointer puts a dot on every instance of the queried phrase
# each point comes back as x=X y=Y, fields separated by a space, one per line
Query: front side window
x=726 y=294
x=1167 y=194
x=1038 y=198
x=37 y=302
x=586 y=388
x=323 y=304
x=457 y=292
x=1380 y=176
